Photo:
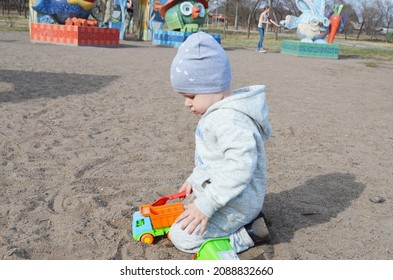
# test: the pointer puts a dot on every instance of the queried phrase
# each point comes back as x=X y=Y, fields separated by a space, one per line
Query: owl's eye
x=186 y=8
x=326 y=22
x=201 y=9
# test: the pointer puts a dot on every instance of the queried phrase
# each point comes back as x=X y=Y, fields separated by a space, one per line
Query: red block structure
x=74 y=35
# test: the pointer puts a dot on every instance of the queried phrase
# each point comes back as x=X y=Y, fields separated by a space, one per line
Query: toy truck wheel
x=147 y=238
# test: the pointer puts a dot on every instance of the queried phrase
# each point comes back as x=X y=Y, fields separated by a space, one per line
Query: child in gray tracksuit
x=228 y=184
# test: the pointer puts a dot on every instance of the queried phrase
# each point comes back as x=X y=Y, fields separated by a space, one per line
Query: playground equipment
x=312 y=28
x=183 y=17
x=60 y=10
x=312 y=25
x=77 y=22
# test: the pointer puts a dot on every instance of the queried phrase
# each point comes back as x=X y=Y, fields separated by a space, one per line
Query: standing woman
x=263 y=22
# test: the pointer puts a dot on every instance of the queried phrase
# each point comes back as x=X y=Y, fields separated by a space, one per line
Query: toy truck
x=152 y=221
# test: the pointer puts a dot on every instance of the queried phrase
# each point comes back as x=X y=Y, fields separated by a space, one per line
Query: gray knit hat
x=201 y=66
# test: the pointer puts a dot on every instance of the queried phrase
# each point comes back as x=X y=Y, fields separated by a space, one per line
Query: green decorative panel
x=309 y=49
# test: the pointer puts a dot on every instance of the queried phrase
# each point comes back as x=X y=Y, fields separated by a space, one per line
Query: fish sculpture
x=61 y=10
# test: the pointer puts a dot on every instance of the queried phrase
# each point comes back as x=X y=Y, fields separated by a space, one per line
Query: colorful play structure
x=182 y=17
x=70 y=22
x=312 y=28
x=103 y=22
x=167 y=22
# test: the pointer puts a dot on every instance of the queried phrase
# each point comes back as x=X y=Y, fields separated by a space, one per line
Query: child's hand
x=186 y=187
x=192 y=217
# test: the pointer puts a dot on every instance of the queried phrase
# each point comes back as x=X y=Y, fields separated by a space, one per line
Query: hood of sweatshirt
x=250 y=101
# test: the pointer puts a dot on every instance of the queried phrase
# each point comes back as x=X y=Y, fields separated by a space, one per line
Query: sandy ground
x=88 y=134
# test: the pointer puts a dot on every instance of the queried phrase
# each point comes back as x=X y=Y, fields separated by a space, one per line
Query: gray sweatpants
x=222 y=224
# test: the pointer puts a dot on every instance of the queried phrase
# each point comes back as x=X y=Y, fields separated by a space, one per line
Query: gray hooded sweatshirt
x=229 y=178
x=230 y=164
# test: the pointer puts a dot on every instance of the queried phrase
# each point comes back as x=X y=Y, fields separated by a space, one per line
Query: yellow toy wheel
x=147 y=238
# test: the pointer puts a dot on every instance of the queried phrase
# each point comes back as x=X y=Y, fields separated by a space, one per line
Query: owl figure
x=184 y=15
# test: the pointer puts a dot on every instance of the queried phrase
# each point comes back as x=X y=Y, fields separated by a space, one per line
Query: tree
x=236 y=14
x=288 y=7
x=20 y=5
x=375 y=19
x=369 y=16
x=251 y=15
x=348 y=16
x=385 y=8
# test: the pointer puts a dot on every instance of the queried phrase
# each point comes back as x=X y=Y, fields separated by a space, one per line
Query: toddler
x=227 y=187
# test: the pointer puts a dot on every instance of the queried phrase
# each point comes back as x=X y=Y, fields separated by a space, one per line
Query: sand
x=87 y=134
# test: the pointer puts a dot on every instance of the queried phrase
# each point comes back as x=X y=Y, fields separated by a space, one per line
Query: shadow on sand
x=315 y=202
x=17 y=86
